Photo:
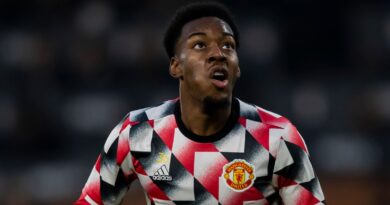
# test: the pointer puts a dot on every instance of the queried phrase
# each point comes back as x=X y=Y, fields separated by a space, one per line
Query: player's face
x=205 y=60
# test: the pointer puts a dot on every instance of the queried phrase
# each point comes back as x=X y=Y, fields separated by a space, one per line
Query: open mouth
x=219 y=75
x=220 y=78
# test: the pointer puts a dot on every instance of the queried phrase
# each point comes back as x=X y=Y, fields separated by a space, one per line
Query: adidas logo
x=162 y=174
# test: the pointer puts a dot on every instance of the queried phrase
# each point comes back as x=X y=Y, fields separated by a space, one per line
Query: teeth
x=218 y=74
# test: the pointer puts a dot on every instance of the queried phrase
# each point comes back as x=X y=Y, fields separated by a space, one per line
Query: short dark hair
x=195 y=11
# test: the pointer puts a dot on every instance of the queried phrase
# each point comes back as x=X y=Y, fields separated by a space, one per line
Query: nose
x=216 y=54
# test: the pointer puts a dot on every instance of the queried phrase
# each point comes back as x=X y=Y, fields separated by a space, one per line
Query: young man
x=205 y=147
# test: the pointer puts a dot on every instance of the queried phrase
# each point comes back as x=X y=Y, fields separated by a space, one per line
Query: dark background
x=70 y=70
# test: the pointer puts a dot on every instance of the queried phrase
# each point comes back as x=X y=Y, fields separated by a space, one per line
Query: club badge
x=239 y=175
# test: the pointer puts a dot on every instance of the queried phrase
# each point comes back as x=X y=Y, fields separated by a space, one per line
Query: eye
x=228 y=45
x=199 y=45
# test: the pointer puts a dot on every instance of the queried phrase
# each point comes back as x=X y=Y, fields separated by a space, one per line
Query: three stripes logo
x=162 y=174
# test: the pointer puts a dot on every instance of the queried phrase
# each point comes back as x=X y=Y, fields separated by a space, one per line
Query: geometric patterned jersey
x=259 y=157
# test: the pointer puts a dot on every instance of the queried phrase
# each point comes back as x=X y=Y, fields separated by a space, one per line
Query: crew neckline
x=233 y=118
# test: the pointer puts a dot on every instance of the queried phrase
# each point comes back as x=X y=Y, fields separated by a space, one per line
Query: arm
x=113 y=171
x=293 y=173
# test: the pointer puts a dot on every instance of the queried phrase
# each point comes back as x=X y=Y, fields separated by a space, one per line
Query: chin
x=212 y=103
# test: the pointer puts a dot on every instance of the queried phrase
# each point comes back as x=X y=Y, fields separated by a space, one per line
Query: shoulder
x=147 y=114
x=139 y=117
x=259 y=114
x=278 y=127
x=152 y=113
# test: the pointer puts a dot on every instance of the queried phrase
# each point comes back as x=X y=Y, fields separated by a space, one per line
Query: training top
x=259 y=157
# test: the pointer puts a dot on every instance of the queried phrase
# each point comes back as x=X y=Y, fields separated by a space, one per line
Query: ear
x=175 y=69
x=238 y=72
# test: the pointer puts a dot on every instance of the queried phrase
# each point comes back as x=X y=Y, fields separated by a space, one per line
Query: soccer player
x=205 y=147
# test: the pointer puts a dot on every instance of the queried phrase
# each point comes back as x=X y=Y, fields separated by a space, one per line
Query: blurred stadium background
x=70 y=70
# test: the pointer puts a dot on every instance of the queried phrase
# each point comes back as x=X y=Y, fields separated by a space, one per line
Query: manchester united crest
x=239 y=175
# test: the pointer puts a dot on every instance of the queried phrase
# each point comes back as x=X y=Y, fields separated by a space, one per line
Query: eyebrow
x=204 y=34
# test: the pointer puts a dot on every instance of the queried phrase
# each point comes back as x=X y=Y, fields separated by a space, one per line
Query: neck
x=203 y=119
